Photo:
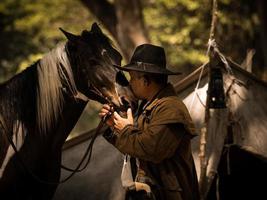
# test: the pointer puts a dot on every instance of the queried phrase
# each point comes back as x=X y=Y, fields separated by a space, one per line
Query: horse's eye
x=103 y=87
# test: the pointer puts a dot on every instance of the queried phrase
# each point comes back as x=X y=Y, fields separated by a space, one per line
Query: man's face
x=137 y=84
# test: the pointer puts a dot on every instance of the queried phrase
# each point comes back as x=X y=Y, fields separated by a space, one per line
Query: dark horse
x=40 y=106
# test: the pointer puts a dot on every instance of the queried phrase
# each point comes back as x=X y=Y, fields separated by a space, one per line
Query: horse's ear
x=95 y=28
x=71 y=37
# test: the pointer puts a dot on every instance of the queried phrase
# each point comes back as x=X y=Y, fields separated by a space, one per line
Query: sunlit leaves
x=30 y=28
x=182 y=27
x=177 y=26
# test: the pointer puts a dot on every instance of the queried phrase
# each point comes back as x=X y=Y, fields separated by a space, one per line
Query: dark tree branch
x=262 y=5
x=105 y=12
x=123 y=19
x=131 y=28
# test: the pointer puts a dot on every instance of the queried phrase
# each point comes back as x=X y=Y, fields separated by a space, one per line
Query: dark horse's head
x=40 y=106
x=93 y=56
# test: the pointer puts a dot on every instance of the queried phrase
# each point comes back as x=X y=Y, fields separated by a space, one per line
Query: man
x=160 y=142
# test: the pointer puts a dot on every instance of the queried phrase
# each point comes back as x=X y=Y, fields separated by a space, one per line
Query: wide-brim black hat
x=149 y=59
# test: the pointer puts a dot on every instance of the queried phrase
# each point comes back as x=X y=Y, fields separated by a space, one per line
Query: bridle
x=77 y=169
x=96 y=94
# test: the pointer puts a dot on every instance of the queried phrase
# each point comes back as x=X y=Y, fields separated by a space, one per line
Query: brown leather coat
x=162 y=144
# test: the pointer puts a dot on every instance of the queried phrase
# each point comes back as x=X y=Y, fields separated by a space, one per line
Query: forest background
x=30 y=28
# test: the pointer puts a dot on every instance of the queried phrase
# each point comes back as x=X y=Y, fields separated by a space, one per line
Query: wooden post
x=204 y=130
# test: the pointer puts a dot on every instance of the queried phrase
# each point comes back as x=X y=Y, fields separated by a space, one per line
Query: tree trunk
x=262 y=5
x=123 y=19
x=130 y=28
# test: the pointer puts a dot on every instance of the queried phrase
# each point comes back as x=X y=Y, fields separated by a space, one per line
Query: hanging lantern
x=216 y=91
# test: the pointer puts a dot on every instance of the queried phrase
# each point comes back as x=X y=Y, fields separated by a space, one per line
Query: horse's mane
x=35 y=96
x=52 y=70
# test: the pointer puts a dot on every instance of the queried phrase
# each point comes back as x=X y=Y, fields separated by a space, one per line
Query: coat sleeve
x=154 y=144
x=159 y=140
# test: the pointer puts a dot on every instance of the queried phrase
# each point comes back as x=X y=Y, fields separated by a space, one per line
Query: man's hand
x=120 y=122
x=107 y=111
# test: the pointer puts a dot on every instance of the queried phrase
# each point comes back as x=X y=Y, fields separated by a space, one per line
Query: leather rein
x=97 y=94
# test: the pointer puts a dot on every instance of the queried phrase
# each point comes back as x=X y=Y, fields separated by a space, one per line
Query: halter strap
x=94 y=93
x=87 y=154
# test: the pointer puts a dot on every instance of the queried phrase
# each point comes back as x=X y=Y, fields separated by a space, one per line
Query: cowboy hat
x=148 y=58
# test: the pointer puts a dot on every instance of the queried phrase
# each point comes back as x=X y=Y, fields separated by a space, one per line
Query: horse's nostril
x=124 y=101
x=109 y=98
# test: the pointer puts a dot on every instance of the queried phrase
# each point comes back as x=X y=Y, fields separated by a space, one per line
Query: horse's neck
x=17 y=108
x=71 y=112
x=18 y=98
x=19 y=103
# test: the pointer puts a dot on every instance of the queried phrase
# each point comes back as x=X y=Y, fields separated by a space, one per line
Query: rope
x=196 y=88
x=212 y=46
x=212 y=43
x=203 y=160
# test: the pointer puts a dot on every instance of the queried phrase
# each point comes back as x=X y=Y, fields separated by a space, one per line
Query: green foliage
x=29 y=29
x=238 y=29
x=180 y=28
x=183 y=26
